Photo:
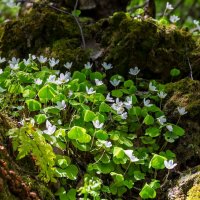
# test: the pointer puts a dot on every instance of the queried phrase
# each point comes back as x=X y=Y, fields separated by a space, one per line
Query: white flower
x=90 y=90
x=107 y=66
x=181 y=110
x=1 y=71
x=14 y=61
x=98 y=82
x=169 y=6
x=174 y=19
x=196 y=22
x=88 y=65
x=147 y=103
x=97 y=124
x=61 y=105
x=134 y=71
x=162 y=95
x=33 y=57
x=26 y=62
x=118 y=106
x=107 y=144
x=51 y=79
x=50 y=128
x=169 y=164
x=14 y=66
x=38 y=81
x=22 y=122
x=128 y=103
x=109 y=99
x=2 y=60
x=64 y=78
x=169 y=128
x=115 y=82
x=152 y=87
x=42 y=59
x=162 y=119
x=124 y=115
x=70 y=93
x=68 y=65
x=53 y=62
x=132 y=158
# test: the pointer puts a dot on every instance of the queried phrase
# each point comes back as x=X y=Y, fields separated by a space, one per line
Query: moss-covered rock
x=187 y=186
x=185 y=93
x=123 y=41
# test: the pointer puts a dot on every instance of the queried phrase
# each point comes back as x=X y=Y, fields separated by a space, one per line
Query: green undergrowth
x=97 y=138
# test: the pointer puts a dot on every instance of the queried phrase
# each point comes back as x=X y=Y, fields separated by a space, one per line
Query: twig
x=191 y=74
x=76 y=19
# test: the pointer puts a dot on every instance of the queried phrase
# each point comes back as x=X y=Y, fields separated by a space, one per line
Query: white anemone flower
x=124 y=115
x=181 y=110
x=50 y=128
x=169 y=164
x=70 y=93
x=147 y=103
x=14 y=61
x=152 y=87
x=97 y=124
x=1 y=71
x=27 y=62
x=53 y=62
x=61 y=105
x=162 y=119
x=169 y=128
x=68 y=65
x=107 y=66
x=107 y=144
x=2 y=60
x=134 y=71
x=14 y=66
x=162 y=95
x=38 y=81
x=90 y=90
x=132 y=158
x=128 y=103
x=51 y=79
x=42 y=59
x=64 y=78
x=88 y=65
x=174 y=19
x=109 y=99
x=98 y=82
x=115 y=82
x=169 y=6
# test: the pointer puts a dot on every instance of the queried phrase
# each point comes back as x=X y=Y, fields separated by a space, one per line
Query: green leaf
x=135 y=111
x=128 y=83
x=63 y=163
x=51 y=110
x=138 y=175
x=79 y=133
x=118 y=152
x=70 y=172
x=96 y=75
x=147 y=192
x=117 y=93
x=76 y=13
x=104 y=107
x=33 y=105
x=29 y=93
x=89 y=116
x=175 y=72
x=152 y=132
x=47 y=93
x=178 y=130
x=40 y=118
x=80 y=76
x=101 y=135
x=148 y=120
x=157 y=162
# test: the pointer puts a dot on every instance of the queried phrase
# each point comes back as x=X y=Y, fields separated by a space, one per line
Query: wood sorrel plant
x=76 y=129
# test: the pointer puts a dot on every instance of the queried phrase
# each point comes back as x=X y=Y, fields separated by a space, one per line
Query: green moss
x=194 y=193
